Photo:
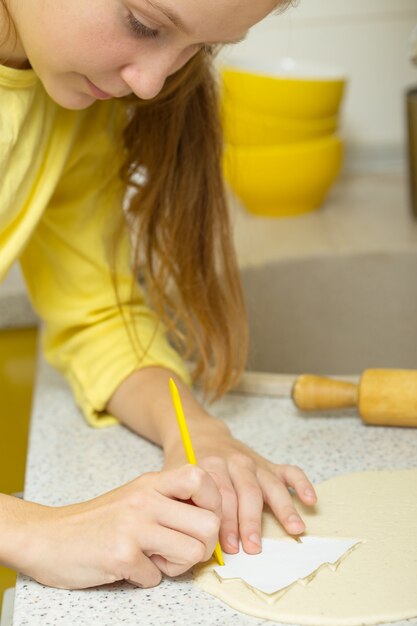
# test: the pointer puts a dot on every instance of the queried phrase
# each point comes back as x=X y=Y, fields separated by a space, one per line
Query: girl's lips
x=98 y=93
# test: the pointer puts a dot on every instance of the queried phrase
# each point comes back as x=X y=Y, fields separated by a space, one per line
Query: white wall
x=370 y=40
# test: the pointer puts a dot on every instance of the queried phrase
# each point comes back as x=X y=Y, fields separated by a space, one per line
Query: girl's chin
x=67 y=92
x=72 y=100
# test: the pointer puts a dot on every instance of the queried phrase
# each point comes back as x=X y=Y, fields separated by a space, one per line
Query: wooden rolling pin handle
x=388 y=397
x=315 y=393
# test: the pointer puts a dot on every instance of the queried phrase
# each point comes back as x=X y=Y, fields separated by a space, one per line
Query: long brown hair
x=184 y=253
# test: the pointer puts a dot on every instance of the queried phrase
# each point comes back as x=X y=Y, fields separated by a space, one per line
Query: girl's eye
x=140 y=29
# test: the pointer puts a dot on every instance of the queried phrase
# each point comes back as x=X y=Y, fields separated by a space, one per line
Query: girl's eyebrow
x=171 y=15
x=177 y=21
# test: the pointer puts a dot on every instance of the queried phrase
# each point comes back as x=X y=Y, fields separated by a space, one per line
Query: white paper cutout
x=283 y=561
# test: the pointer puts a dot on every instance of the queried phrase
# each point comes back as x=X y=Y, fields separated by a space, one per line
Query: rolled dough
x=375 y=583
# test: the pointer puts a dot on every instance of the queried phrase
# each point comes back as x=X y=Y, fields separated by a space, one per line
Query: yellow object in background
x=277 y=181
x=244 y=127
x=17 y=372
x=279 y=124
x=286 y=90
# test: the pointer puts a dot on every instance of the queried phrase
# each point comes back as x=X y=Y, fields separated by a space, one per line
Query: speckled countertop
x=68 y=462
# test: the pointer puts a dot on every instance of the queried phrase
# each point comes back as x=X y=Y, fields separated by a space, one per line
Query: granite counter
x=69 y=462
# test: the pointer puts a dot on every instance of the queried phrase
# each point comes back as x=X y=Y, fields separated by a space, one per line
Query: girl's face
x=84 y=50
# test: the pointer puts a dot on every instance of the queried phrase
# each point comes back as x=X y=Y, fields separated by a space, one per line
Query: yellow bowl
x=286 y=88
x=244 y=127
x=283 y=180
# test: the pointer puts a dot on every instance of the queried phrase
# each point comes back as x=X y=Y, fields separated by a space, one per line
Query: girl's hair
x=184 y=252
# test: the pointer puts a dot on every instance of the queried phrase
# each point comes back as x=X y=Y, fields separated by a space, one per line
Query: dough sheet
x=375 y=583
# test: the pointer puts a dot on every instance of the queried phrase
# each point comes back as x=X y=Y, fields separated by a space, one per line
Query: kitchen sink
x=333 y=314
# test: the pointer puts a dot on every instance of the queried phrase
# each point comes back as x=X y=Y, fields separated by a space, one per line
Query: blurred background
x=332 y=291
x=370 y=41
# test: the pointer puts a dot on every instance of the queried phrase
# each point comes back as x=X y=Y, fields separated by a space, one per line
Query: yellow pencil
x=188 y=447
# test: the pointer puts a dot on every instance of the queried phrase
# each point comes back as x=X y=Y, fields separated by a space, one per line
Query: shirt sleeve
x=93 y=336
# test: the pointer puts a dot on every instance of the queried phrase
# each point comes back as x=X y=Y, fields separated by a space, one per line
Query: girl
x=98 y=99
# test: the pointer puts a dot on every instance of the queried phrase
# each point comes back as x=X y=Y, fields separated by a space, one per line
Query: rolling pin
x=386 y=397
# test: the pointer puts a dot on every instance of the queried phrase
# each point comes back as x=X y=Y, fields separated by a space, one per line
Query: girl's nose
x=147 y=75
x=146 y=83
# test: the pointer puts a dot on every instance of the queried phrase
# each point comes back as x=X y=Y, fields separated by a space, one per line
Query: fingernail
x=232 y=540
x=255 y=538
x=294 y=519
x=309 y=493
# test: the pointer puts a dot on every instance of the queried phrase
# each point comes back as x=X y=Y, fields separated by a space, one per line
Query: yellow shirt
x=59 y=197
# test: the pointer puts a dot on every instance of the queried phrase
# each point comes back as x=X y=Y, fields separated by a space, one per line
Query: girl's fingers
x=168 y=568
x=281 y=504
x=294 y=477
x=234 y=491
x=190 y=482
x=244 y=484
x=144 y=573
x=179 y=549
x=229 y=530
x=279 y=499
x=251 y=502
x=189 y=520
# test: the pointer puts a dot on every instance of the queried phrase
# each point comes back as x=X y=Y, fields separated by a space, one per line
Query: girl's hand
x=246 y=481
x=132 y=533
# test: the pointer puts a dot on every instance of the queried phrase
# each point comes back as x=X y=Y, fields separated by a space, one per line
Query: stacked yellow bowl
x=282 y=151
